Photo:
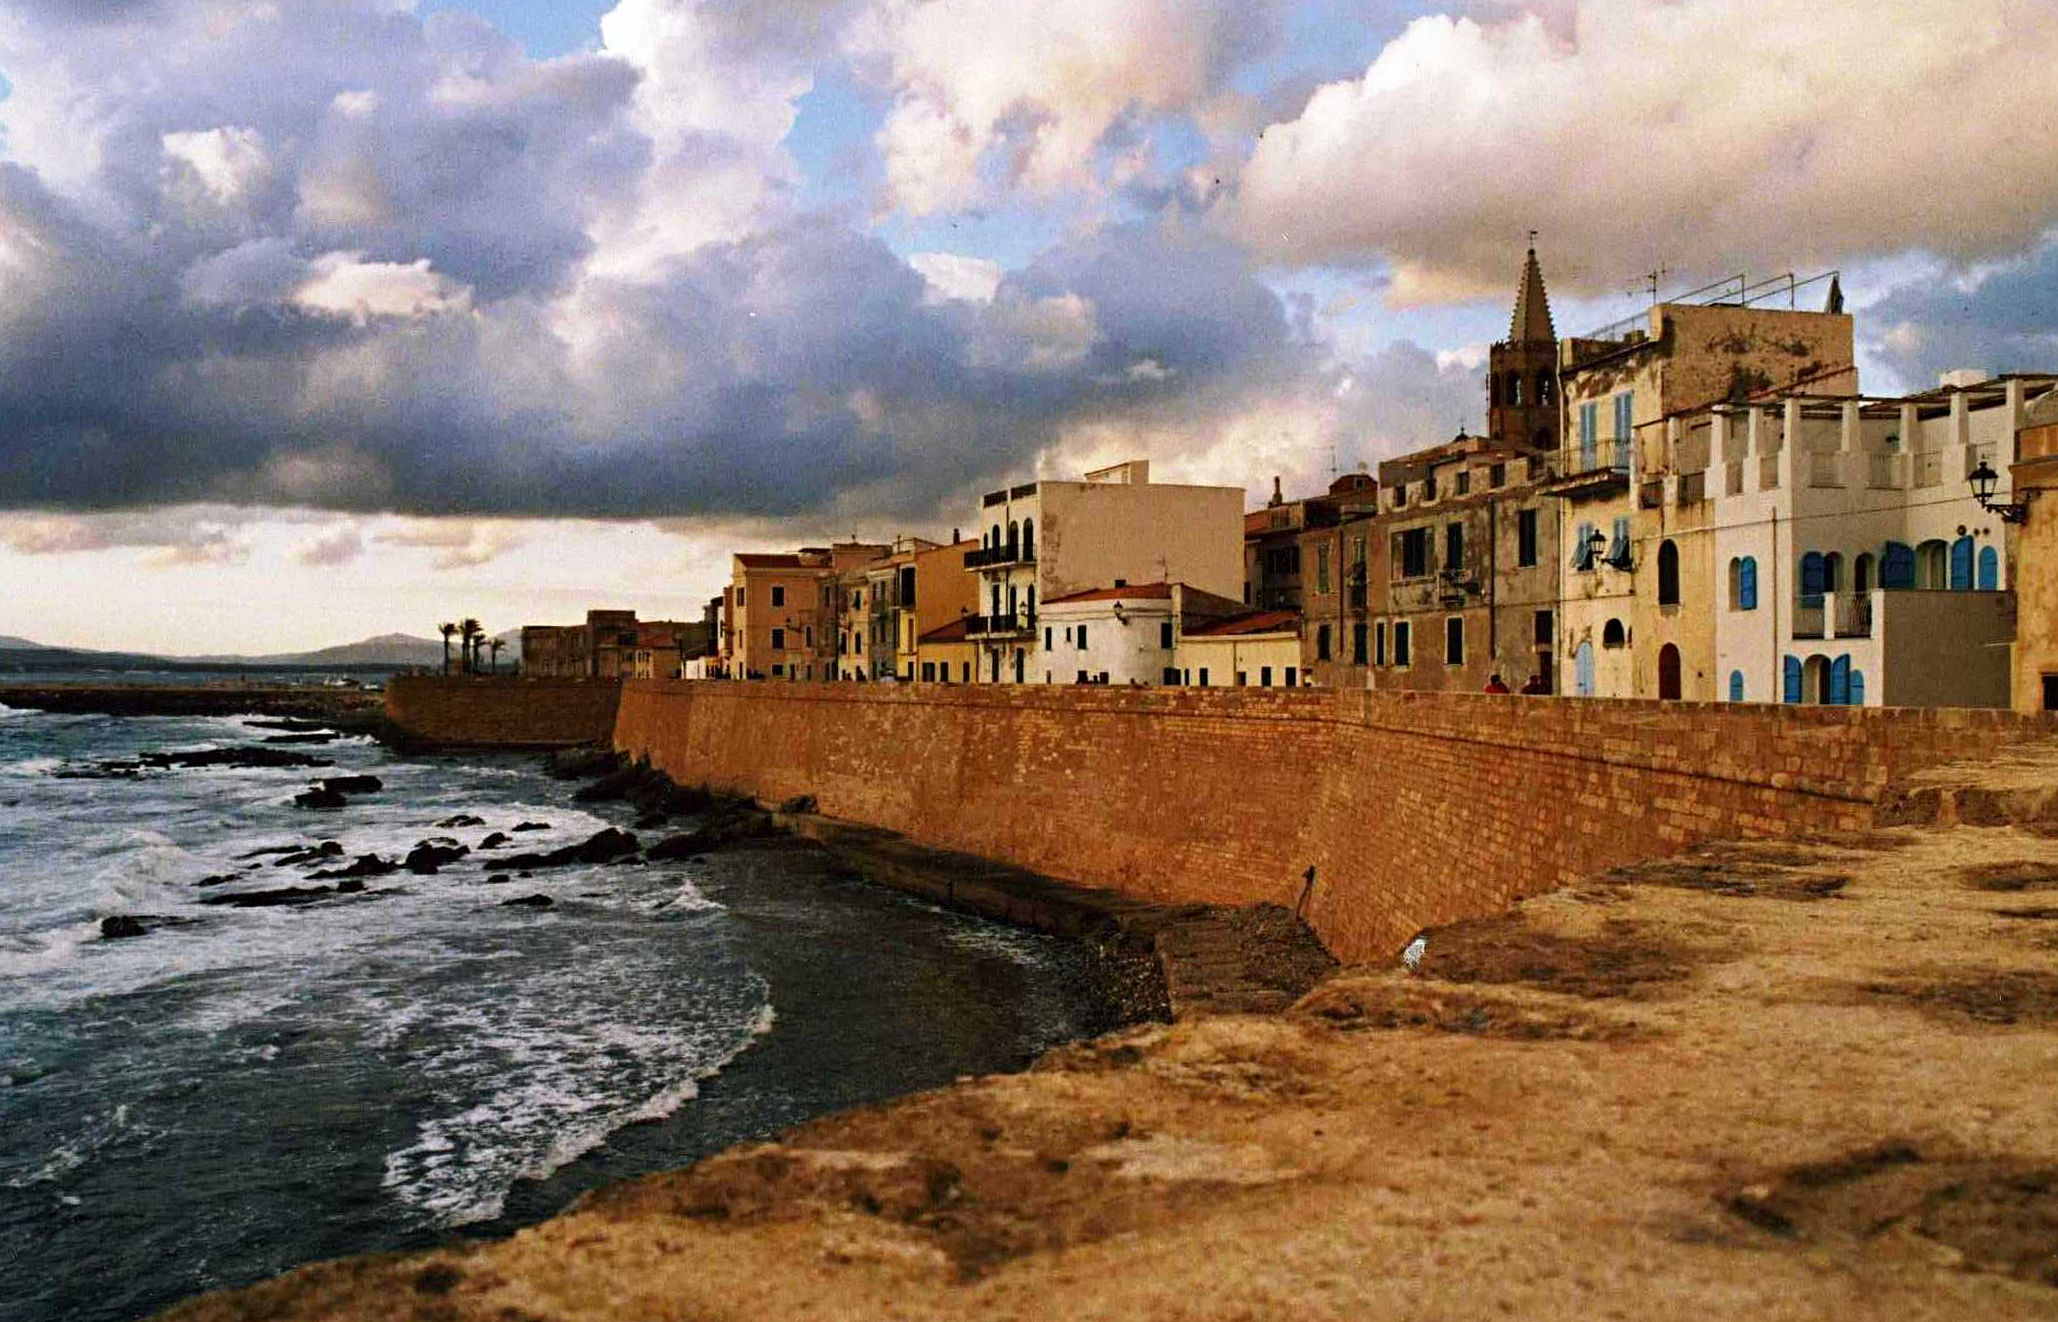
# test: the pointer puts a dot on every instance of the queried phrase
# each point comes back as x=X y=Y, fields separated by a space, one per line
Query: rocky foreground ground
x=1770 y=1080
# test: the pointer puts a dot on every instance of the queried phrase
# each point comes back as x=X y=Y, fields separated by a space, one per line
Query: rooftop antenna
x=1653 y=281
x=1332 y=461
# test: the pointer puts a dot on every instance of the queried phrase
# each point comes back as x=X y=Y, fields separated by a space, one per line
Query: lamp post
x=1982 y=480
x=1596 y=545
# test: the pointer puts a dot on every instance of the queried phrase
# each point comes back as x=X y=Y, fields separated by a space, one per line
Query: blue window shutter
x=1618 y=551
x=1989 y=570
x=1736 y=686
x=1747 y=585
x=1582 y=555
x=1961 y=565
x=1791 y=690
x=1897 y=566
x=1839 y=694
x=1812 y=578
x=1587 y=412
x=1857 y=694
x=1583 y=670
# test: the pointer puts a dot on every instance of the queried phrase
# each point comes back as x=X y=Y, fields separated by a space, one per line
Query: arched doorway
x=1815 y=680
x=1668 y=673
x=1668 y=574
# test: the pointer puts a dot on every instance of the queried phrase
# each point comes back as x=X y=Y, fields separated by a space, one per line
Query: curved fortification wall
x=486 y=712
x=1413 y=809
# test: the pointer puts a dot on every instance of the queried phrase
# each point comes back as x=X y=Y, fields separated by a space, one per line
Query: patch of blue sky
x=831 y=140
x=545 y=28
x=1327 y=41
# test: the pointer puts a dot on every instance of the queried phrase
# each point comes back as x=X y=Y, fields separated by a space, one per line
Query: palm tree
x=469 y=627
x=494 y=645
x=447 y=629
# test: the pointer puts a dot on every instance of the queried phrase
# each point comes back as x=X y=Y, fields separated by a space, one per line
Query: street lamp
x=1596 y=545
x=1983 y=479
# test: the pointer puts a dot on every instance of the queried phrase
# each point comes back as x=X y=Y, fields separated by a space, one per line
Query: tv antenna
x=1653 y=281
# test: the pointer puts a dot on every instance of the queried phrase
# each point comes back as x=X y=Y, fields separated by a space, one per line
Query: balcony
x=1600 y=480
x=999 y=626
x=1834 y=615
x=999 y=556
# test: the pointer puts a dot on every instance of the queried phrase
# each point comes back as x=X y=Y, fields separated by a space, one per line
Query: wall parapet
x=1413 y=808
x=482 y=711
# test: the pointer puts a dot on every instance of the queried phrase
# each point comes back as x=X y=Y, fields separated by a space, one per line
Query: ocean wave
x=26 y=954
x=99 y=1133
x=462 y=1168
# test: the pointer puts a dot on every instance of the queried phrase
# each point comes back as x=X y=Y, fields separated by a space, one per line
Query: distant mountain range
x=388 y=651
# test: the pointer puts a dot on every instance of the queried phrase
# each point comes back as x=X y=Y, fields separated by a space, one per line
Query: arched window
x=1815 y=680
x=1932 y=566
x=1961 y=565
x=1493 y=390
x=1515 y=390
x=1736 y=686
x=1832 y=573
x=1989 y=570
x=1668 y=673
x=1613 y=635
x=1811 y=579
x=1028 y=539
x=1747 y=588
x=1897 y=566
x=1790 y=679
x=1839 y=691
x=1668 y=573
x=1861 y=574
x=1543 y=387
x=993 y=539
x=1014 y=539
x=1583 y=671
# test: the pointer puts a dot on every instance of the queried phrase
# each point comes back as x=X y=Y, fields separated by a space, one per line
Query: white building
x=1850 y=562
x=1045 y=540
x=1123 y=634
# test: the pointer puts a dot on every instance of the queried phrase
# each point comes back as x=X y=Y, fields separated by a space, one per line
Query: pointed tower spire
x=1836 y=295
x=1531 y=323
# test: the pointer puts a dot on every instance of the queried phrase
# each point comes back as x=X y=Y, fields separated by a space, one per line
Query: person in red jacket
x=1494 y=685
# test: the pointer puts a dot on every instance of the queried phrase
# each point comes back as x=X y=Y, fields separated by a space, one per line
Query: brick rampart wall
x=481 y=712
x=1414 y=809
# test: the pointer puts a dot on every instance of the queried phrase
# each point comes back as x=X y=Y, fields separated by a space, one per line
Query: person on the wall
x=1494 y=684
x=1535 y=687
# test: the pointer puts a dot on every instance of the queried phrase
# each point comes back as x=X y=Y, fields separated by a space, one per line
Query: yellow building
x=1259 y=650
x=946 y=654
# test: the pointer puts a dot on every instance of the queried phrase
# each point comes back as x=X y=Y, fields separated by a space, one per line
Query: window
x=1265 y=677
x=1454 y=546
x=1668 y=574
x=1525 y=537
x=1736 y=686
x=1401 y=630
x=1429 y=487
x=1625 y=427
x=1322 y=643
x=1379 y=643
x=1618 y=548
x=1322 y=569
x=1583 y=547
x=1613 y=635
x=1464 y=481
x=1165 y=635
x=1989 y=570
x=1497 y=475
x=1082 y=637
x=1961 y=565
x=964 y=671
x=1028 y=540
x=778 y=640
x=1400 y=494
x=1411 y=552
x=1046 y=638
x=1171 y=676
x=1545 y=628
x=1204 y=677
x=1293 y=680
x=740 y=594
x=1242 y=678
x=1933 y=566
x=1812 y=579
x=1897 y=566
x=1589 y=428
x=778 y=669
x=778 y=596
x=929 y=672
x=1358 y=644
x=1454 y=641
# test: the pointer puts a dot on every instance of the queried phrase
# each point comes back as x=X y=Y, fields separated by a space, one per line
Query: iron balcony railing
x=989 y=625
x=992 y=557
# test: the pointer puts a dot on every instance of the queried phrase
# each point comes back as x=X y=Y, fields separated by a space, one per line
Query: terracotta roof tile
x=1256 y=622
x=1134 y=592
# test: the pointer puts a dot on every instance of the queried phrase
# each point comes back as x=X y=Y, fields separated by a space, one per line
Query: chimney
x=954 y=538
x=1277 y=499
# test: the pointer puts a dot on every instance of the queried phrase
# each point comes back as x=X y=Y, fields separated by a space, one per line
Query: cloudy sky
x=322 y=318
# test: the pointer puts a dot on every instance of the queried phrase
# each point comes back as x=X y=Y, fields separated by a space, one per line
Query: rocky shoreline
x=344 y=711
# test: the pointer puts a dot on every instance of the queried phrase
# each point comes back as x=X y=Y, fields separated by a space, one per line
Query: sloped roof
x=954 y=632
x=1255 y=622
x=773 y=561
x=1135 y=591
x=1531 y=323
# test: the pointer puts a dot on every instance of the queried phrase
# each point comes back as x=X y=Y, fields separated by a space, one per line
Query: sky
x=328 y=318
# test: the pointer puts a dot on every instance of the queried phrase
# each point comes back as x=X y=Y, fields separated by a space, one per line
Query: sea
x=239 y=1091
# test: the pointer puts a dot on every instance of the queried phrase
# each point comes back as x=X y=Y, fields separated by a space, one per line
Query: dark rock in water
x=494 y=840
x=325 y=737
x=119 y=926
x=311 y=854
x=354 y=784
x=500 y=879
x=246 y=757
x=292 y=723
x=528 y=902
x=683 y=845
x=531 y=826
x=579 y=763
x=799 y=803
x=614 y=785
x=650 y=821
x=217 y=879
x=272 y=849
x=462 y=819
x=367 y=865
x=604 y=846
x=429 y=855
x=349 y=887
x=319 y=796
x=270 y=899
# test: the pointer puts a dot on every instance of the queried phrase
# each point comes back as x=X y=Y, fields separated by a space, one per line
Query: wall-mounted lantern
x=1983 y=479
x=1596 y=546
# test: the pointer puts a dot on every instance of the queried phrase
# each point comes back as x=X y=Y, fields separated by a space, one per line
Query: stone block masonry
x=1413 y=809
x=484 y=712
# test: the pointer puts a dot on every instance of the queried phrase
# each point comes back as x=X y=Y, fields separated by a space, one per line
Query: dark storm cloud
x=2004 y=322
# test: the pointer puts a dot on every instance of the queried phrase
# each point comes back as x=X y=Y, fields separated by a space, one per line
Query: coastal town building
x=1126 y=634
x=2033 y=567
x=946 y=653
x=1046 y=539
x=1617 y=387
x=1256 y=649
x=1273 y=577
x=1344 y=589
x=603 y=647
x=784 y=610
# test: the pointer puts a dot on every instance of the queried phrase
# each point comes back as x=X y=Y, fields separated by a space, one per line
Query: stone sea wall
x=488 y=712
